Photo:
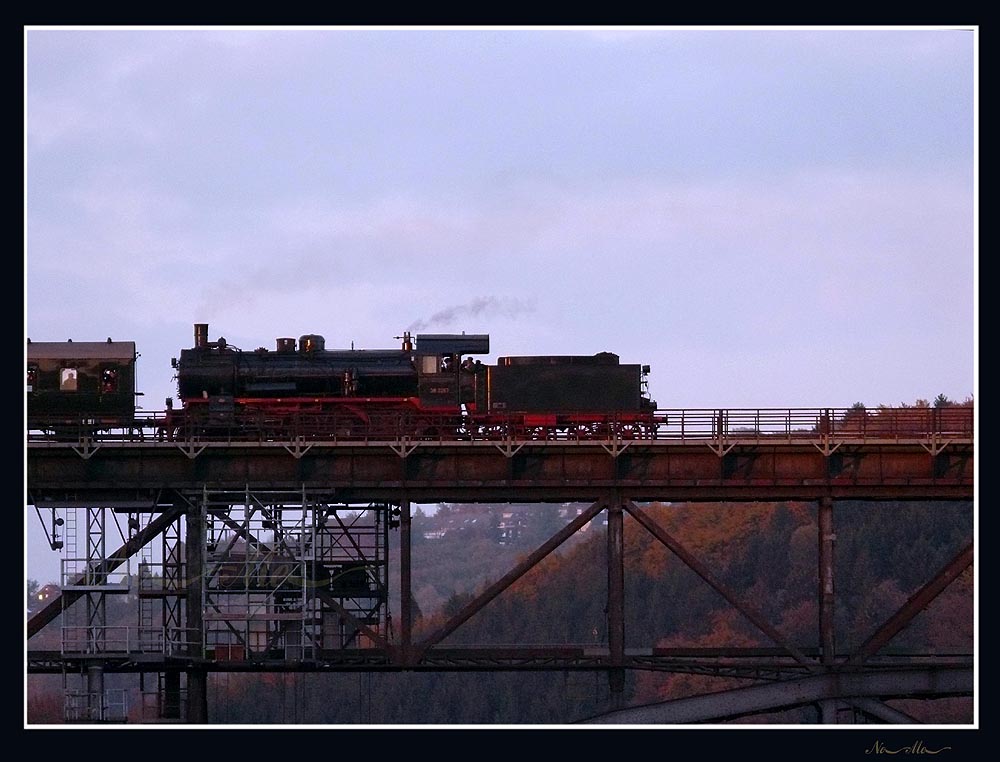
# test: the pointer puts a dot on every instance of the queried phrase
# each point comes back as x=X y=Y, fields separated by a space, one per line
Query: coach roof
x=81 y=350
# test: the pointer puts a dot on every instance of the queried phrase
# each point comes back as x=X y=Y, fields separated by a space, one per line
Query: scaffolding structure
x=290 y=576
x=234 y=576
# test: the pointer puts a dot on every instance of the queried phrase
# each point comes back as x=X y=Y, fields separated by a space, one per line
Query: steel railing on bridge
x=770 y=425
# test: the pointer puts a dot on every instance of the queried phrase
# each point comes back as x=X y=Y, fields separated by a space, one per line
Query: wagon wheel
x=76 y=431
x=632 y=430
x=497 y=431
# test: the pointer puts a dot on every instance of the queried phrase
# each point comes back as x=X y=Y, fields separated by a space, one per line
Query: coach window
x=32 y=377
x=109 y=380
x=67 y=380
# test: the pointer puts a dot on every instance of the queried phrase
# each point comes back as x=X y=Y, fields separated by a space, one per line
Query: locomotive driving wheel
x=496 y=431
x=632 y=430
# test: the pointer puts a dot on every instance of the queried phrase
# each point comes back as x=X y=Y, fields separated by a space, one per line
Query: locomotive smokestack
x=200 y=335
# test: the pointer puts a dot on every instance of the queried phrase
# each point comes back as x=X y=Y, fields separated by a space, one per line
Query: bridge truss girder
x=860 y=688
x=786 y=664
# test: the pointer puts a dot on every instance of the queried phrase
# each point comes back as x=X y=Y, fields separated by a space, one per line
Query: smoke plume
x=482 y=306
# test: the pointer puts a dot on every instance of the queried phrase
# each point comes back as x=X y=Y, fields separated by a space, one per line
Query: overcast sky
x=768 y=218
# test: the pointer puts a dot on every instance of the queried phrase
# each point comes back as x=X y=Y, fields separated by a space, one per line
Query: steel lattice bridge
x=262 y=545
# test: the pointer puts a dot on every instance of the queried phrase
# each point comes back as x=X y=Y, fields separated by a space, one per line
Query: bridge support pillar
x=405 y=582
x=828 y=712
x=197 y=679
x=826 y=589
x=95 y=692
x=616 y=600
x=197 y=697
x=171 y=702
x=827 y=537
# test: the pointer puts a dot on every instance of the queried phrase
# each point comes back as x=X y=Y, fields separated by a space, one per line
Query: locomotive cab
x=444 y=378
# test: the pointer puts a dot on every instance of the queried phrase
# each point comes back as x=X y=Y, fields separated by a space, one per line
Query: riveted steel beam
x=511 y=577
x=702 y=571
x=914 y=605
x=784 y=694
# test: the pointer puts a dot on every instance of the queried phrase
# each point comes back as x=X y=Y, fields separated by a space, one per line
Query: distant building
x=512 y=523
x=44 y=594
x=510 y=526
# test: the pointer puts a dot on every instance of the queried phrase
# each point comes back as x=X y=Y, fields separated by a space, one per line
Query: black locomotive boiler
x=429 y=374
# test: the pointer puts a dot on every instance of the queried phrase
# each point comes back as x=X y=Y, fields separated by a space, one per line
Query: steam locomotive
x=432 y=379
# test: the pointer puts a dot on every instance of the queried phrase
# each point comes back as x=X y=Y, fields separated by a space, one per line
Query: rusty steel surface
x=526 y=471
x=752 y=663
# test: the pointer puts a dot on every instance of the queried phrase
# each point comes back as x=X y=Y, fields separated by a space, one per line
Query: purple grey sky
x=768 y=218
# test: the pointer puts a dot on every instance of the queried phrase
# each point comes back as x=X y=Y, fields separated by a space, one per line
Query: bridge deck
x=677 y=454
